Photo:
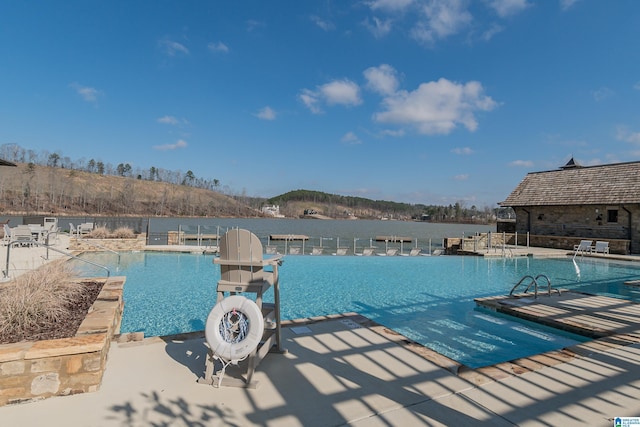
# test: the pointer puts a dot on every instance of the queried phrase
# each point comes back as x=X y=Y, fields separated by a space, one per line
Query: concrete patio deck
x=337 y=372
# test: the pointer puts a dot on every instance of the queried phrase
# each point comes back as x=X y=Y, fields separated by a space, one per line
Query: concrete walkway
x=23 y=258
x=337 y=372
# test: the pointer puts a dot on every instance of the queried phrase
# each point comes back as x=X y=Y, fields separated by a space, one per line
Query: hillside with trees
x=48 y=183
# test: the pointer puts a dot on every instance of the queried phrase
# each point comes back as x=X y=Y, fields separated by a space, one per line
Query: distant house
x=273 y=211
x=594 y=202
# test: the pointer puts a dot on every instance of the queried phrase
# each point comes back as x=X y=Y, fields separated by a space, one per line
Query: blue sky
x=419 y=101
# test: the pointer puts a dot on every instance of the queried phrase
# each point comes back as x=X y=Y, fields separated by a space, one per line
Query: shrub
x=123 y=233
x=100 y=232
x=36 y=299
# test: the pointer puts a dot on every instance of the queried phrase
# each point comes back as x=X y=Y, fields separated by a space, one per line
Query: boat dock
x=288 y=237
x=394 y=239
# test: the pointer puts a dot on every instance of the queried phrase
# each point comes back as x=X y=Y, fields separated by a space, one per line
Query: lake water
x=326 y=233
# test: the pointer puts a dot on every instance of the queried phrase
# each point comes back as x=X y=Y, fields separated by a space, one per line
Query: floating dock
x=394 y=239
x=288 y=237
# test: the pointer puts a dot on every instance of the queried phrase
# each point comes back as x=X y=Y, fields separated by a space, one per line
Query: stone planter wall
x=40 y=369
x=87 y=244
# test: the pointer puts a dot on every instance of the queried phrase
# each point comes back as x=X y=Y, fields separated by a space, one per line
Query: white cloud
x=492 y=31
x=87 y=93
x=437 y=107
x=350 y=138
x=218 y=47
x=379 y=28
x=462 y=177
x=382 y=79
x=566 y=4
x=342 y=92
x=391 y=5
x=602 y=94
x=636 y=86
x=311 y=100
x=462 y=151
x=267 y=113
x=442 y=18
x=171 y=120
x=623 y=134
x=521 y=163
x=324 y=25
x=172 y=48
x=181 y=143
x=394 y=133
x=168 y=120
x=506 y=8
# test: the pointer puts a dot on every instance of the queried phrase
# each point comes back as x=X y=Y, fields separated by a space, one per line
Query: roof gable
x=605 y=184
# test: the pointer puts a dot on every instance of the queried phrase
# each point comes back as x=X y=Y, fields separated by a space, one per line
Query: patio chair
x=22 y=234
x=390 y=252
x=7 y=234
x=316 y=251
x=584 y=246
x=415 y=252
x=601 y=247
x=85 y=228
x=341 y=251
x=237 y=328
x=368 y=251
x=294 y=250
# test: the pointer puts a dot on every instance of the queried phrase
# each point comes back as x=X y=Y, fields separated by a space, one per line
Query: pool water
x=428 y=299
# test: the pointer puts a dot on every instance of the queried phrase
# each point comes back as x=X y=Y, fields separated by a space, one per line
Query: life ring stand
x=234 y=328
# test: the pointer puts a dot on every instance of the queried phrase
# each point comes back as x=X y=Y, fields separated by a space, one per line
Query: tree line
x=456 y=212
x=16 y=153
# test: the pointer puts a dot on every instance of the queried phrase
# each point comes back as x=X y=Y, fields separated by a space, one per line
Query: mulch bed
x=67 y=326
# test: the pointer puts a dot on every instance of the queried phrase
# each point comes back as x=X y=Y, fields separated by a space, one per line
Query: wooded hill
x=33 y=189
x=297 y=202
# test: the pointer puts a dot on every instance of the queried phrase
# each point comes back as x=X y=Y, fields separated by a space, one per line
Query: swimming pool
x=427 y=299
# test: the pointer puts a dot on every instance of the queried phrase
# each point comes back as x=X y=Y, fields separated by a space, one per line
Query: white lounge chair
x=584 y=246
x=601 y=247
x=390 y=252
x=316 y=251
x=294 y=250
x=271 y=250
x=368 y=251
x=341 y=251
x=22 y=234
x=415 y=252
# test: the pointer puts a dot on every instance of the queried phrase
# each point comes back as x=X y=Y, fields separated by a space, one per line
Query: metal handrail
x=97 y=245
x=534 y=282
x=35 y=242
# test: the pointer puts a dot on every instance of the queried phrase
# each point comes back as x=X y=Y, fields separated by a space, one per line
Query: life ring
x=234 y=328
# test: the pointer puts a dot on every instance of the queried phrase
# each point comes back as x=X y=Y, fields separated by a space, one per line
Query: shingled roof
x=605 y=184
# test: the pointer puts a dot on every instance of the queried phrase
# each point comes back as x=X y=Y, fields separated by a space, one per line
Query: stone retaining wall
x=87 y=244
x=40 y=369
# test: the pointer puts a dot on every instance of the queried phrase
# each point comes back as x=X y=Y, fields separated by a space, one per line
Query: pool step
x=588 y=315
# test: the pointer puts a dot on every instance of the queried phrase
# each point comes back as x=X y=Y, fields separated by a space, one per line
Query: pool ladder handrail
x=5 y=272
x=534 y=282
x=104 y=248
